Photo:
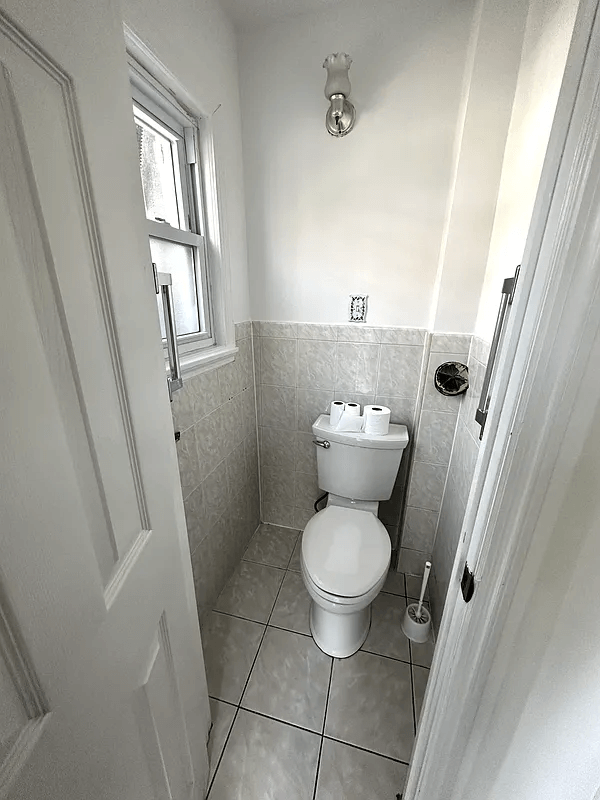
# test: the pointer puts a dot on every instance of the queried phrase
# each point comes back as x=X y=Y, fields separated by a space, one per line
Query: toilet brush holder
x=416 y=627
x=416 y=624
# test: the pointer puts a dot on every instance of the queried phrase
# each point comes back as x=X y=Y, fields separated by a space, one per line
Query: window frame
x=183 y=129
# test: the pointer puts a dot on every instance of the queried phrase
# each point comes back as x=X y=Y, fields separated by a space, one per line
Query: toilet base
x=339 y=635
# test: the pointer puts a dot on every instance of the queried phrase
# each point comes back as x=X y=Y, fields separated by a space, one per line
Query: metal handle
x=164 y=283
x=322 y=443
x=508 y=292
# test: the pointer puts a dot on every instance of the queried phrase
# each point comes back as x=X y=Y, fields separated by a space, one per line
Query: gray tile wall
x=437 y=419
x=460 y=475
x=218 y=464
x=300 y=369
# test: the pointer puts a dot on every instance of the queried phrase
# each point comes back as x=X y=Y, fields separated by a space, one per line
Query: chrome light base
x=340 y=125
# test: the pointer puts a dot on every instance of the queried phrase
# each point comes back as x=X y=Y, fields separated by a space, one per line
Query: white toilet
x=345 y=548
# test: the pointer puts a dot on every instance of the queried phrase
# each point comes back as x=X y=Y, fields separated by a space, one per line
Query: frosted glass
x=157 y=168
x=178 y=259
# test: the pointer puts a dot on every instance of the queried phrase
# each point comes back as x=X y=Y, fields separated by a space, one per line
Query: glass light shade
x=338 y=82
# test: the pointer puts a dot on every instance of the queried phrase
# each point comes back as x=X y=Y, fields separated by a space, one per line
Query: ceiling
x=246 y=13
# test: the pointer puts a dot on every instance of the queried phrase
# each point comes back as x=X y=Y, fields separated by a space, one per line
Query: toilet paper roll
x=377 y=420
x=335 y=412
x=353 y=409
x=350 y=422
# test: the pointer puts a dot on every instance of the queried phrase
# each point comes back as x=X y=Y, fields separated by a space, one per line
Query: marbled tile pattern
x=215 y=413
x=306 y=725
x=251 y=591
x=272 y=545
x=302 y=367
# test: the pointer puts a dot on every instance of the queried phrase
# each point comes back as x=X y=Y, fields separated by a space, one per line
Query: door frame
x=546 y=390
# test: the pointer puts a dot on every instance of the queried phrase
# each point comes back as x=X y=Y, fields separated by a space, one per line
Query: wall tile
x=412 y=562
x=402 y=335
x=195 y=517
x=356 y=367
x=354 y=397
x=301 y=517
x=432 y=399
x=187 y=457
x=306 y=490
x=305 y=454
x=243 y=330
x=230 y=378
x=278 y=513
x=246 y=366
x=215 y=493
x=450 y=342
x=277 y=448
x=182 y=408
x=399 y=370
x=394 y=535
x=278 y=361
x=237 y=474
x=358 y=333
x=310 y=405
x=419 y=529
x=277 y=486
x=436 y=434
x=310 y=330
x=279 y=330
x=316 y=364
x=402 y=408
x=427 y=486
x=278 y=407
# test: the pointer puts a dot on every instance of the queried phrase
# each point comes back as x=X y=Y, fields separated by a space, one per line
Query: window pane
x=157 y=167
x=178 y=259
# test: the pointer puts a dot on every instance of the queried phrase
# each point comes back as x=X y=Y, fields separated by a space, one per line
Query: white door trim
x=545 y=393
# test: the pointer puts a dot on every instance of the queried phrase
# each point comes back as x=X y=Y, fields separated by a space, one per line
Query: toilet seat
x=345 y=553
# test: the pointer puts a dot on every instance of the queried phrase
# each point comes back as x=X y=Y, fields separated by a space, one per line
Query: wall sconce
x=341 y=114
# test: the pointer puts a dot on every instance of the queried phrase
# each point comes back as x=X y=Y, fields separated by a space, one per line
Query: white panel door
x=102 y=685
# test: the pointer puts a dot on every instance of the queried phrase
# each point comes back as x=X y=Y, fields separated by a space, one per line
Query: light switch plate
x=358 y=308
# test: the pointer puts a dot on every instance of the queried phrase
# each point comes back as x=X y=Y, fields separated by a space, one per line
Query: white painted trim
x=545 y=383
x=204 y=360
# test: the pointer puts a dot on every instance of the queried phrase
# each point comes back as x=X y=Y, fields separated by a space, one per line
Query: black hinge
x=467 y=584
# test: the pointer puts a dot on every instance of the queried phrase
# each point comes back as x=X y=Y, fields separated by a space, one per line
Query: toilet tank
x=358 y=465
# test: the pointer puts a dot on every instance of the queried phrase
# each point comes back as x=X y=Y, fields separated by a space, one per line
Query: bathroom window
x=168 y=147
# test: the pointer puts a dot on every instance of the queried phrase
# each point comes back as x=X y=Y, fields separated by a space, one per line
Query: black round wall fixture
x=451 y=378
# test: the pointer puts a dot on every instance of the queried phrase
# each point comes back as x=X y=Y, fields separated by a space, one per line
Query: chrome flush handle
x=322 y=443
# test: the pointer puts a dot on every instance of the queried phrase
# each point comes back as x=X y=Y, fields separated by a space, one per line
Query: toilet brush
x=417 y=619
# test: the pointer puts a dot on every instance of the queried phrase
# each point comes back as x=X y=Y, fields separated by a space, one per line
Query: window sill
x=204 y=360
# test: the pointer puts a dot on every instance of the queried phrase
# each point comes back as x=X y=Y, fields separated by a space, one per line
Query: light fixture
x=341 y=114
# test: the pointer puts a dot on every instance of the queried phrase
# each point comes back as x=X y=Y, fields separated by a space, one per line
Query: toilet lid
x=346 y=551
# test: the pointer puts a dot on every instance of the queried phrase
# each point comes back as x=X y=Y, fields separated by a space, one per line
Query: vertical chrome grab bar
x=508 y=292
x=165 y=284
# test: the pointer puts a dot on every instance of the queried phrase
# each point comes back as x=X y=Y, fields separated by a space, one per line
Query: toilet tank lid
x=396 y=439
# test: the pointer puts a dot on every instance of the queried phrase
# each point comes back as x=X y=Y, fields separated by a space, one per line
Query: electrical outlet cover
x=358 y=308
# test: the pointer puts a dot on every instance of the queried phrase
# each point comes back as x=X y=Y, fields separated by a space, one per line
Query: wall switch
x=358 y=308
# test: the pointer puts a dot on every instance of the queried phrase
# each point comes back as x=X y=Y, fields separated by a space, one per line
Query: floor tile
x=394 y=583
x=346 y=773
x=230 y=645
x=251 y=591
x=293 y=605
x=266 y=760
x=413 y=587
x=370 y=705
x=222 y=715
x=422 y=654
x=420 y=678
x=289 y=680
x=295 y=559
x=272 y=545
x=386 y=637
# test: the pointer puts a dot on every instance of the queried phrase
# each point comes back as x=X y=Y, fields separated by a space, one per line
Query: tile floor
x=289 y=721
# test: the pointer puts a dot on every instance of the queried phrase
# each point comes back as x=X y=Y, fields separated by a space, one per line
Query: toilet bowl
x=345 y=559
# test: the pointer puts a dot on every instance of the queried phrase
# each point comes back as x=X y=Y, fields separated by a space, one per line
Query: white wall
x=327 y=217
x=195 y=40
x=547 y=36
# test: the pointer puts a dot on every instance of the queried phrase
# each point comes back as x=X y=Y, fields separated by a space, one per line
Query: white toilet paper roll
x=377 y=420
x=353 y=408
x=335 y=412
